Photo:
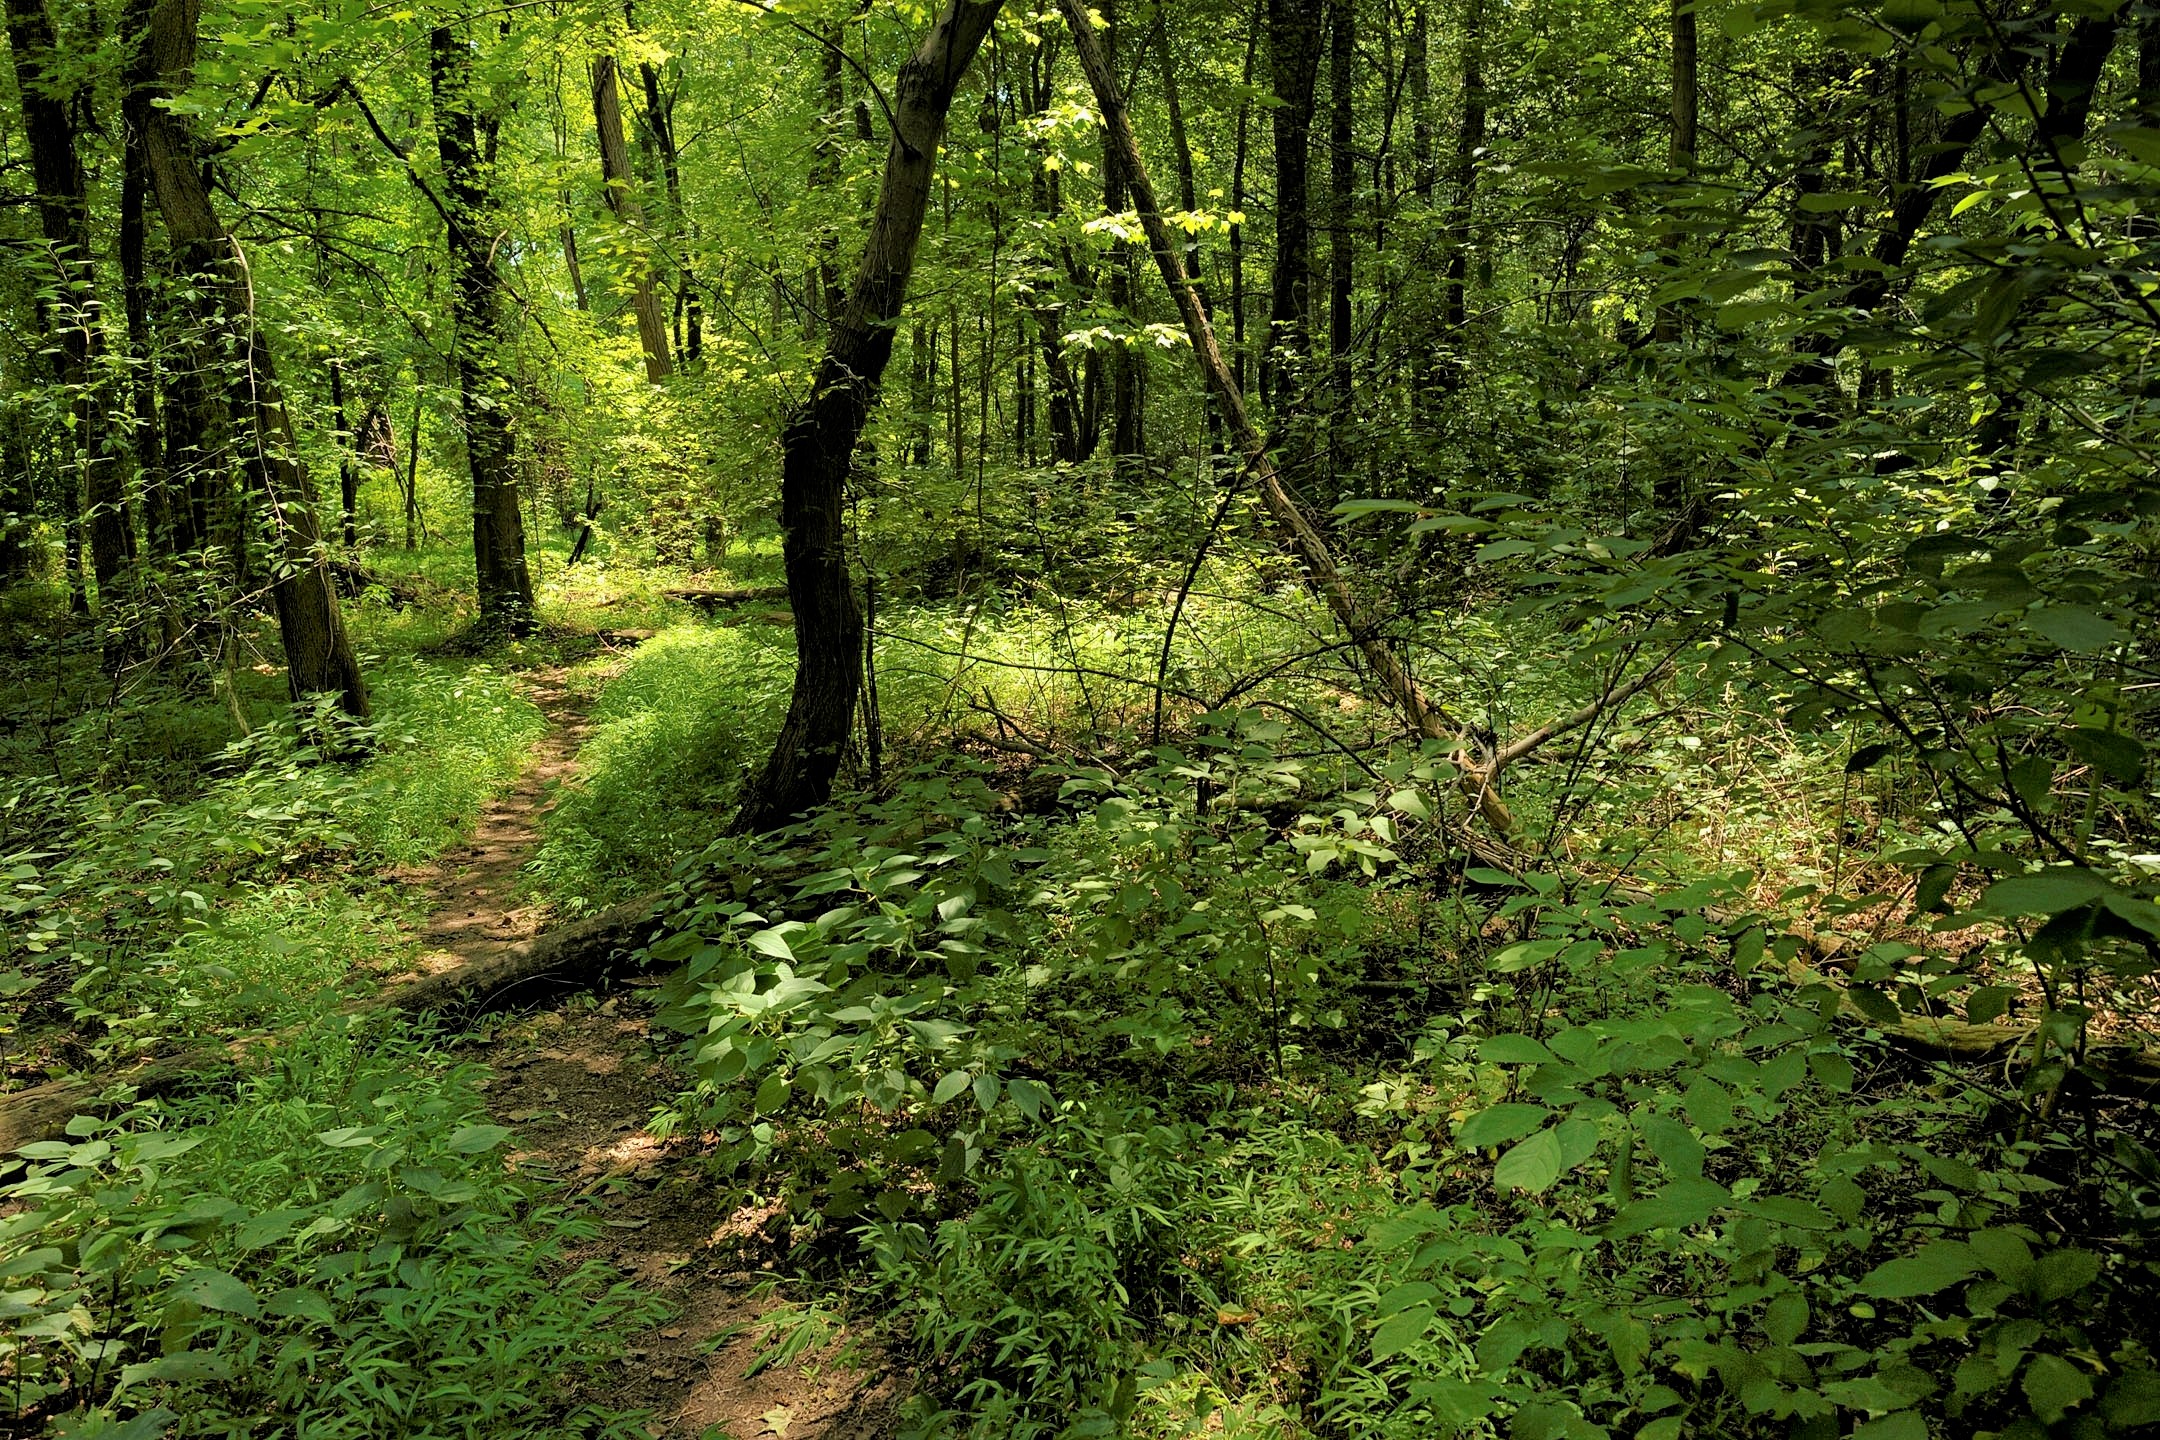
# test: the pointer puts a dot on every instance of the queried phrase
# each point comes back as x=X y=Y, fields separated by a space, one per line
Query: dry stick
x=1429 y=720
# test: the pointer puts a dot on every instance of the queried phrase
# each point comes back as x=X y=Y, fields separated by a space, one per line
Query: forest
x=1282 y=718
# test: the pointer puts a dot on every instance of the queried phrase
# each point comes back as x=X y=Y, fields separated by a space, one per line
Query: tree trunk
x=164 y=511
x=1342 y=215
x=348 y=467
x=318 y=655
x=505 y=585
x=659 y=120
x=622 y=199
x=818 y=447
x=1428 y=719
x=1294 y=71
x=1680 y=156
x=1128 y=374
x=1462 y=208
x=64 y=219
x=1424 y=172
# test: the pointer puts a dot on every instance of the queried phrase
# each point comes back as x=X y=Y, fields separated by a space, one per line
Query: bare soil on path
x=579 y=1085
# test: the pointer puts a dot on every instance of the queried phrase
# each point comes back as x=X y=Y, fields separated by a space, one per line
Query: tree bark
x=1680 y=156
x=1342 y=216
x=318 y=655
x=1128 y=363
x=63 y=208
x=1294 y=70
x=505 y=585
x=818 y=446
x=1462 y=207
x=622 y=199
x=348 y=467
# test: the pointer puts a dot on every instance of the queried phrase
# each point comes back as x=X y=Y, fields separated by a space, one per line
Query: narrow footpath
x=579 y=1084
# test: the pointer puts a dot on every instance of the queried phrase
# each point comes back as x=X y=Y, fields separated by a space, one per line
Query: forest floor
x=579 y=1084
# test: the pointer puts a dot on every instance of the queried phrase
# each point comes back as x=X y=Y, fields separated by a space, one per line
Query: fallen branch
x=719 y=598
x=570 y=957
x=353 y=579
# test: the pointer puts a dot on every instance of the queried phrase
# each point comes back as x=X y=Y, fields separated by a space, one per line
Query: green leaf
x=2053 y=1385
x=2047 y=892
x=2059 y=1274
x=1532 y=1165
x=2119 y=757
x=1898 y=1425
x=1498 y=1124
x=950 y=1086
x=986 y=1092
x=772 y=1094
x=299 y=1304
x=1785 y=1321
x=1400 y=1331
x=477 y=1139
x=219 y=1290
x=771 y=942
x=2075 y=628
x=1938 y=1265
x=1514 y=1050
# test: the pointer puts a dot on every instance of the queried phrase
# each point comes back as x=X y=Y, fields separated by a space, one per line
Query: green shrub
x=672 y=738
x=339 y=1254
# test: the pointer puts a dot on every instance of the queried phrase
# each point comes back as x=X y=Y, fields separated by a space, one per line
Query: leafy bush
x=339 y=1254
x=672 y=738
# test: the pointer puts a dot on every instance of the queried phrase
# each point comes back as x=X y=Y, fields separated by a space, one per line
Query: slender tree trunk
x=1342 y=217
x=505 y=585
x=348 y=467
x=318 y=655
x=412 y=472
x=1127 y=363
x=1462 y=208
x=818 y=447
x=63 y=208
x=162 y=515
x=1428 y=719
x=1680 y=152
x=1238 y=348
x=659 y=127
x=622 y=198
x=1294 y=70
x=1424 y=170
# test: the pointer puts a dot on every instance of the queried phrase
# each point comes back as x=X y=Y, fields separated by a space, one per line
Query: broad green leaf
x=1532 y=1165
x=2046 y=892
x=1499 y=1124
x=950 y=1086
x=1514 y=1050
x=1938 y=1265
x=2075 y=628
x=219 y=1290
x=476 y=1139
x=2053 y=1385
x=1401 y=1330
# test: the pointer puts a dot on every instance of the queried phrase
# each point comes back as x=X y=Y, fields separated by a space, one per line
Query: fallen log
x=710 y=599
x=576 y=956
x=353 y=580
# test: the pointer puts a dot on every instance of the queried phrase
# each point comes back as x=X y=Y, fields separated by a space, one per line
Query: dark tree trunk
x=1128 y=372
x=18 y=497
x=64 y=219
x=1342 y=216
x=660 y=136
x=1242 y=148
x=629 y=210
x=1294 y=72
x=2073 y=79
x=505 y=585
x=818 y=448
x=348 y=467
x=1424 y=171
x=164 y=511
x=318 y=655
x=1462 y=208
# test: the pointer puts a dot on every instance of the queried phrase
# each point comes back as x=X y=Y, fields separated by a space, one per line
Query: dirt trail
x=579 y=1085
